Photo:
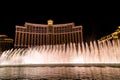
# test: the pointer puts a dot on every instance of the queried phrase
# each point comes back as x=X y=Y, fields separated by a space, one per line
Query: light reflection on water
x=60 y=73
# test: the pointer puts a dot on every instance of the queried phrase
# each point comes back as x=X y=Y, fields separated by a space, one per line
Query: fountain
x=86 y=61
x=92 y=53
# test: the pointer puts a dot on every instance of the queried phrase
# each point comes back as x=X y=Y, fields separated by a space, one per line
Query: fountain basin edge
x=66 y=65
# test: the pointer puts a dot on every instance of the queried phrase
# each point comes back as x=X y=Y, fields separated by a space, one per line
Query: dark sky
x=94 y=27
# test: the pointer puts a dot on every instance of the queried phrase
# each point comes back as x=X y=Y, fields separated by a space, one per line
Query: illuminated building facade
x=113 y=36
x=47 y=34
x=5 y=43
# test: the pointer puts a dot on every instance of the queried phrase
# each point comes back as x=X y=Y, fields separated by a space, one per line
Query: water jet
x=96 y=61
x=94 y=53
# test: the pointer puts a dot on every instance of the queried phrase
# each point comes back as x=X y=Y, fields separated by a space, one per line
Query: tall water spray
x=83 y=53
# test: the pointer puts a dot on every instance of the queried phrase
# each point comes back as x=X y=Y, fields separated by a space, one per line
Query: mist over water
x=94 y=52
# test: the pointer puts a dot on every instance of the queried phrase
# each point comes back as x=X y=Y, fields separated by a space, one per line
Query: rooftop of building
x=49 y=23
x=4 y=37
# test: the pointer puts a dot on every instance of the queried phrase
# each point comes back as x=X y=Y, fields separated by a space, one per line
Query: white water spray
x=107 y=52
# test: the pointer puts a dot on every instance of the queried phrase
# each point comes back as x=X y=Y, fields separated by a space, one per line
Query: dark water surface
x=59 y=73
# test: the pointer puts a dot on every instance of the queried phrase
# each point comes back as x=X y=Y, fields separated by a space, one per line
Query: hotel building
x=32 y=34
x=5 y=43
x=113 y=36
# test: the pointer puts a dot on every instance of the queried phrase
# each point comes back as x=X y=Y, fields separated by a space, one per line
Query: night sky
x=94 y=27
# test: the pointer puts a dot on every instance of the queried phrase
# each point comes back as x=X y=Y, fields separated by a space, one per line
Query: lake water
x=59 y=73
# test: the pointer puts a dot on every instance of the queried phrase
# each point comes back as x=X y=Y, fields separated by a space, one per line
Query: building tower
x=5 y=43
x=32 y=34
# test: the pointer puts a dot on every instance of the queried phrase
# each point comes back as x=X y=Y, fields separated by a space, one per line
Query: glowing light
x=50 y=22
x=78 y=60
